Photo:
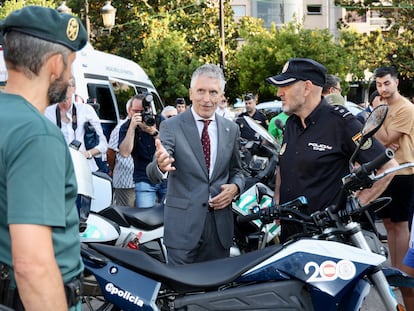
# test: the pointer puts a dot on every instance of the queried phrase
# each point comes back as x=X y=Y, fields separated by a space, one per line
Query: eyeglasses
x=137 y=110
x=337 y=88
x=170 y=116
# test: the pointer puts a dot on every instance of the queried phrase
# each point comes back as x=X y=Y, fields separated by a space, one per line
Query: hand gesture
x=164 y=160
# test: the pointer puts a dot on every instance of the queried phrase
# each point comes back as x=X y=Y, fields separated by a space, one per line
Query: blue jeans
x=146 y=193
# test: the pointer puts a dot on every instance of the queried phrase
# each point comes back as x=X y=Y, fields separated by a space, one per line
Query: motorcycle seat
x=207 y=275
x=144 y=218
x=141 y=218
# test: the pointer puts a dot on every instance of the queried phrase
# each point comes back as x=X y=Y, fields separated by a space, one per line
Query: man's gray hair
x=331 y=81
x=211 y=71
x=128 y=103
x=27 y=54
x=167 y=109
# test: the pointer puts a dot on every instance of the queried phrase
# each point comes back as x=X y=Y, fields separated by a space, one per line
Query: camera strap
x=74 y=118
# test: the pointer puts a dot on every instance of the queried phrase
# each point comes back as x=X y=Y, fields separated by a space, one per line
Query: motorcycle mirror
x=372 y=124
x=374 y=121
x=261 y=191
x=261 y=131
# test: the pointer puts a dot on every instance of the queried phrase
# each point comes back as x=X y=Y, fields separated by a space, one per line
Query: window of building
x=314 y=9
x=239 y=10
x=355 y=17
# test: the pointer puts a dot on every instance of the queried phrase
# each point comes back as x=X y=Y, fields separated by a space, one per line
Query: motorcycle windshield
x=260 y=130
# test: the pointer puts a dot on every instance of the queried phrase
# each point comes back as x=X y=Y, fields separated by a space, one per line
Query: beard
x=57 y=90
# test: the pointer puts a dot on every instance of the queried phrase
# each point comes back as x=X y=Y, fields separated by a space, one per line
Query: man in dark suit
x=203 y=178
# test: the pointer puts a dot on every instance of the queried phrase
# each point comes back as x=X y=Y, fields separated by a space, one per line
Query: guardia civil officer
x=318 y=142
x=39 y=225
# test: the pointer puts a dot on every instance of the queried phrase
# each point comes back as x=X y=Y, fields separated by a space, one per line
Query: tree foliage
x=10 y=5
x=265 y=55
x=169 y=59
x=393 y=45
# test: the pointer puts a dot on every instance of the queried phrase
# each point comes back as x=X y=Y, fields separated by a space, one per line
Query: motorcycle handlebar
x=272 y=212
x=367 y=168
x=241 y=219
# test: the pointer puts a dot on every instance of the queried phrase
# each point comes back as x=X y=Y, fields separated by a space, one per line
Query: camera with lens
x=147 y=116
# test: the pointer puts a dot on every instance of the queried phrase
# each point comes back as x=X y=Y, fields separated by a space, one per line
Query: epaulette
x=341 y=111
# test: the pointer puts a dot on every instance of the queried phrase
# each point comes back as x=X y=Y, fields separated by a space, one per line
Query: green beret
x=47 y=24
x=335 y=99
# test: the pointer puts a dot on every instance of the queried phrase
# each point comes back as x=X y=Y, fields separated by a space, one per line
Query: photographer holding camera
x=137 y=138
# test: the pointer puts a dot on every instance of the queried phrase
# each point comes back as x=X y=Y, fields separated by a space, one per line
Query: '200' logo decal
x=330 y=271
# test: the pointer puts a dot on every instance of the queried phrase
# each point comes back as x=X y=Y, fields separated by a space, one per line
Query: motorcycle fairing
x=187 y=278
x=326 y=265
x=350 y=299
x=100 y=229
x=248 y=200
x=138 y=292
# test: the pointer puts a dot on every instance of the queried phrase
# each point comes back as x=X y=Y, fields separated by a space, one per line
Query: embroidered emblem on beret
x=72 y=30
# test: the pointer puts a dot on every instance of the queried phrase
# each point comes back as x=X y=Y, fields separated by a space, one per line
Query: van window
x=123 y=91
x=101 y=95
x=101 y=99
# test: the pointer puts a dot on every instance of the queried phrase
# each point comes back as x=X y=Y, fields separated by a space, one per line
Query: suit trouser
x=208 y=247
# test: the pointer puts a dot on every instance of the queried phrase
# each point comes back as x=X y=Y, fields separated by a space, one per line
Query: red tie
x=205 y=141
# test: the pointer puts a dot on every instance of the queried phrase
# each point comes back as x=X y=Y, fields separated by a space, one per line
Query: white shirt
x=84 y=113
x=226 y=113
x=212 y=132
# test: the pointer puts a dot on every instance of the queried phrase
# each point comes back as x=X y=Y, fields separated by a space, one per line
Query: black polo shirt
x=245 y=131
x=314 y=159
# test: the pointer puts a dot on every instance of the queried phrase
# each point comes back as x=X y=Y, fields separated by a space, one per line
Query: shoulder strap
x=74 y=117
x=58 y=119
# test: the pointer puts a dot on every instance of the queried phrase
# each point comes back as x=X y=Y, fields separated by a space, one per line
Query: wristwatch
x=89 y=155
x=155 y=133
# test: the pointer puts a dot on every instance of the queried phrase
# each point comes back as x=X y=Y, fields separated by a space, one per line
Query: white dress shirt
x=212 y=132
x=84 y=113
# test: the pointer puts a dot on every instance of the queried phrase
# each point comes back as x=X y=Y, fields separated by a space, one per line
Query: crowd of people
x=186 y=158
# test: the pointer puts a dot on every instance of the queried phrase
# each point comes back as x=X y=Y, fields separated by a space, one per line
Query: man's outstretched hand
x=164 y=160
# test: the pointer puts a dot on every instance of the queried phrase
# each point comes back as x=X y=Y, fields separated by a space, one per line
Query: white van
x=108 y=81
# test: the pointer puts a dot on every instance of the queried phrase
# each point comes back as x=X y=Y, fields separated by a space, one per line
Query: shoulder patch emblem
x=367 y=144
x=357 y=138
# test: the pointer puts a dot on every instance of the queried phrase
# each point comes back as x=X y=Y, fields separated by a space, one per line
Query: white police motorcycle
x=333 y=269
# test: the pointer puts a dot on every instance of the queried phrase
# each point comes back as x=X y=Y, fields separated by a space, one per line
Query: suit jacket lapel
x=222 y=143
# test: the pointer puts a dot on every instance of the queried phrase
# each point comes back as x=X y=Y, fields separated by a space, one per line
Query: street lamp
x=222 y=37
x=108 y=15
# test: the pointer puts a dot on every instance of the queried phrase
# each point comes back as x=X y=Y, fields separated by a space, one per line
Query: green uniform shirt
x=37 y=182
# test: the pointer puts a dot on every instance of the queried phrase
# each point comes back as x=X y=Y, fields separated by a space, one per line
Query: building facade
x=314 y=14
